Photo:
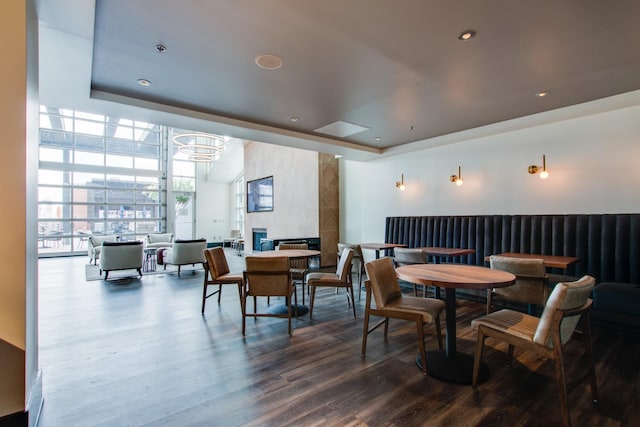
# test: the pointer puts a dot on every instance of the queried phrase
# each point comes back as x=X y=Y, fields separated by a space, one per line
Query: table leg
x=450 y=365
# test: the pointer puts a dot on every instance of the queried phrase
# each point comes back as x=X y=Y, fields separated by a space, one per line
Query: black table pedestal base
x=458 y=369
x=282 y=309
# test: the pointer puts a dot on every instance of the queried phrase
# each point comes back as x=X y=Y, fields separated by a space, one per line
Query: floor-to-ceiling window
x=98 y=175
x=239 y=205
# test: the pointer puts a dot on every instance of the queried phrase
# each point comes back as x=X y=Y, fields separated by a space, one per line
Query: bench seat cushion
x=621 y=298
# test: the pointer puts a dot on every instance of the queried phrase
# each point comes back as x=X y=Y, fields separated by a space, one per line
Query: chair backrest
x=188 y=251
x=121 y=255
x=406 y=256
x=267 y=276
x=531 y=276
x=343 y=271
x=565 y=296
x=159 y=237
x=217 y=262
x=295 y=263
x=383 y=279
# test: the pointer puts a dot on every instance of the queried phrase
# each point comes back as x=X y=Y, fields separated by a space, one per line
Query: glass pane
x=81 y=211
x=97 y=227
x=122 y=132
x=50 y=194
x=89 y=128
x=88 y=179
x=119 y=146
x=119 y=161
x=85 y=158
x=52 y=155
x=148 y=183
x=184 y=184
x=52 y=138
x=51 y=177
x=147 y=197
x=148 y=150
x=147 y=164
x=146 y=227
x=184 y=169
x=89 y=116
x=91 y=143
x=148 y=136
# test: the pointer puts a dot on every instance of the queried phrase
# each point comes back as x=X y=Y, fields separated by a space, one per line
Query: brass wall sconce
x=544 y=174
x=400 y=184
x=457 y=178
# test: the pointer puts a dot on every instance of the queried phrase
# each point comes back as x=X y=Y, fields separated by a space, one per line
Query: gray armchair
x=185 y=252
x=121 y=256
x=159 y=240
x=94 y=245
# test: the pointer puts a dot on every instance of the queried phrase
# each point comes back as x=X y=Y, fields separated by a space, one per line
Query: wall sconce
x=533 y=169
x=457 y=178
x=400 y=184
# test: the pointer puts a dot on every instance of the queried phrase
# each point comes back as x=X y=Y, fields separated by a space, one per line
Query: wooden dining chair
x=390 y=303
x=267 y=277
x=340 y=279
x=567 y=305
x=217 y=273
x=409 y=256
x=532 y=282
x=358 y=262
x=299 y=267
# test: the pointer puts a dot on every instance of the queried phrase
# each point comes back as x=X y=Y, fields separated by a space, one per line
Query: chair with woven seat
x=409 y=256
x=340 y=279
x=217 y=273
x=299 y=267
x=532 y=282
x=390 y=303
x=358 y=262
x=267 y=277
x=568 y=304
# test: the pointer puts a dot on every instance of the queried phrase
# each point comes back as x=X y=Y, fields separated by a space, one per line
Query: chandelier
x=200 y=147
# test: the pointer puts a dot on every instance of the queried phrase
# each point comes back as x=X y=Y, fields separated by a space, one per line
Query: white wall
x=213 y=220
x=295 y=191
x=592 y=161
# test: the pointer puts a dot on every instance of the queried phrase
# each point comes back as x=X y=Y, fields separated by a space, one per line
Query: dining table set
x=450 y=364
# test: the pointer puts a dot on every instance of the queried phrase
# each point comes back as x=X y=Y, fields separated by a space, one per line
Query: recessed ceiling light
x=378 y=138
x=161 y=48
x=294 y=118
x=144 y=82
x=268 y=62
x=542 y=94
x=466 y=35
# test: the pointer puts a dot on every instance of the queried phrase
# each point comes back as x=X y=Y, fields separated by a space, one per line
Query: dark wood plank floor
x=139 y=353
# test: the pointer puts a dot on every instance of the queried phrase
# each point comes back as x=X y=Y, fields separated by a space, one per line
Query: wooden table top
x=556 y=261
x=380 y=246
x=449 y=252
x=455 y=276
x=289 y=253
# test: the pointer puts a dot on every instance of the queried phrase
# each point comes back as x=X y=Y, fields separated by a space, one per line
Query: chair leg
x=204 y=295
x=140 y=271
x=240 y=295
x=353 y=301
x=244 y=313
x=365 y=332
x=312 y=299
x=179 y=270
x=510 y=355
x=423 y=352
x=489 y=300
x=219 y=293
x=562 y=387
x=477 y=358
x=106 y=275
x=386 y=327
x=586 y=331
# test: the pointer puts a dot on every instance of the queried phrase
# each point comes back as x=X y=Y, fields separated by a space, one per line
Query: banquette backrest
x=608 y=245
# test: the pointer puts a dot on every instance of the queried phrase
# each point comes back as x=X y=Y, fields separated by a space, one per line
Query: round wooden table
x=451 y=365
x=299 y=309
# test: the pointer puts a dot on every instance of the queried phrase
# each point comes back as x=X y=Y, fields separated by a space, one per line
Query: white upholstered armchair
x=121 y=256
x=185 y=252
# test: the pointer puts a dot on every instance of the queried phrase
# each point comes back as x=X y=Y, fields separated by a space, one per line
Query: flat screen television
x=260 y=195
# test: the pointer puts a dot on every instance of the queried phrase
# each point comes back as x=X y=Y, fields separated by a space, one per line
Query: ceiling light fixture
x=544 y=174
x=161 y=48
x=457 y=178
x=294 y=118
x=268 y=62
x=400 y=184
x=467 y=35
x=200 y=147
x=144 y=82
x=542 y=94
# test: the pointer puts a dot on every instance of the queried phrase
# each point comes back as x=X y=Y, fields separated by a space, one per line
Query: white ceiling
x=395 y=67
